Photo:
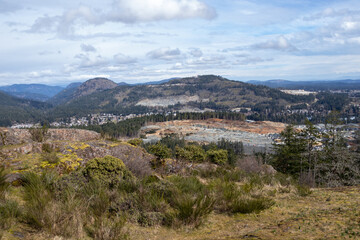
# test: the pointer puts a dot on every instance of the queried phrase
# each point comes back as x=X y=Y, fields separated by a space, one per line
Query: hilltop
x=76 y=90
x=202 y=92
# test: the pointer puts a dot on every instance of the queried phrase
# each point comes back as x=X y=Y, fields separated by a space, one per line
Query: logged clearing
x=325 y=214
x=251 y=134
x=259 y=127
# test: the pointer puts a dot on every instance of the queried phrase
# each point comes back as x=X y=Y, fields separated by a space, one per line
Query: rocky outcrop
x=9 y=136
x=72 y=135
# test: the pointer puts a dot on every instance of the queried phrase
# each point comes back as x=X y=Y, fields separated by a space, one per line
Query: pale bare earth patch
x=167 y=101
x=254 y=134
x=298 y=92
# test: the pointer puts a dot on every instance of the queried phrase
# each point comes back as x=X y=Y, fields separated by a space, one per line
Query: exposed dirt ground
x=264 y=127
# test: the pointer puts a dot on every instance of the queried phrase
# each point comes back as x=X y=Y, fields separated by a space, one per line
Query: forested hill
x=311 y=85
x=74 y=91
x=14 y=109
x=203 y=92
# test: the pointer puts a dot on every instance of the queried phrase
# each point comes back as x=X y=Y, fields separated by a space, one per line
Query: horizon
x=139 y=83
x=138 y=41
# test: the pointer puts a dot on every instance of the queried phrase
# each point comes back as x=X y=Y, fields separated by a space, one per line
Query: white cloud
x=123 y=59
x=157 y=10
x=87 y=48
x=332 y=13
x=196 y=52
x=40 y=74
x=164 y=54
x=124 y=11
x=280 y=44
x=90 y=62
x=7 y=6
x=246 y=60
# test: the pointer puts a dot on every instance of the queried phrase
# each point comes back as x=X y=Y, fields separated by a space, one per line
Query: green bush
x=9 y=212
x=192 y=210
x=190 y=185
x=219 y=156
x=46 y=148
x=160 y=151
x=233 y=199
x=194 y=153
x=38 y=193
x=135 y=141
x=108 y=170
x=303 y=190
x=249 y=205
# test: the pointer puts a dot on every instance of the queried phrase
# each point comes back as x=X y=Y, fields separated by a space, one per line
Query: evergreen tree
x=288 y=155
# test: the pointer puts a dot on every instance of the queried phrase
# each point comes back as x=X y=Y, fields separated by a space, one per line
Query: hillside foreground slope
x=240 y=205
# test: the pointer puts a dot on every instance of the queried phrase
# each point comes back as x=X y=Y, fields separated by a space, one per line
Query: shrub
x=105 y=228
x=37 y=196
x=135 y=141
x=38 y=134
x=46 y=148
x=181 y=153
x=4 y=185
x=190 y=184
x=66 y=215
x=230 y=198
x=160 y=151
x=192 y=153
x=249 y=205
x=192 y=210
x=9 y=212
x=249 y=164
x=108 y=170
x=219 y=156
x=303 y=190
x=139 y=167
x=102 y=224
x=50 y=157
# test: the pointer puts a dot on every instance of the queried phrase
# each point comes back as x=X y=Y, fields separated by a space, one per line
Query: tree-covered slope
x=14 y=109
x=213 y=92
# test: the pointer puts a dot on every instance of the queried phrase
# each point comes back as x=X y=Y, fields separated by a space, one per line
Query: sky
x=58 y=42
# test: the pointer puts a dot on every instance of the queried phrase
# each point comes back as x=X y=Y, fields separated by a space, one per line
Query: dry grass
x=325 y=214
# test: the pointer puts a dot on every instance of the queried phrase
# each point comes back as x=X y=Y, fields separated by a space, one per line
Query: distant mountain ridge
x=208 y=91
x=38 y=92
x=346 y=84
x=199 y=93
